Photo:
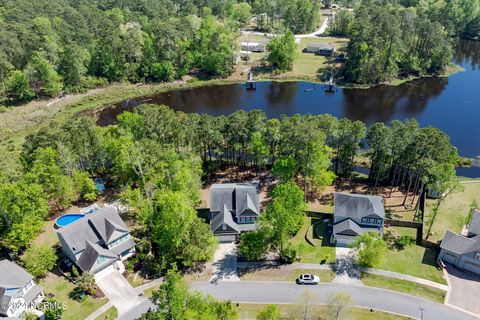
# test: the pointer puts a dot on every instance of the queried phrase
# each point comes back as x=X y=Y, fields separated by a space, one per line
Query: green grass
x=453 y=211
x=409 y=287
x=414 y=260
x=75 y=310
x=323 y=252
x=288 y=311
x=284 y=274
x=308 y=64
x=110 y=314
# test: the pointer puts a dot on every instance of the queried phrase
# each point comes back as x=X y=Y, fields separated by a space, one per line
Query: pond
x=451 y=104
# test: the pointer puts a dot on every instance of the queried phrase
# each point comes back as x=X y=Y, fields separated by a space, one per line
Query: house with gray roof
x=323 y=49
x=18 y=291
x=234 y=208
x=98 y=242
x=463 y=250
x=355 y=214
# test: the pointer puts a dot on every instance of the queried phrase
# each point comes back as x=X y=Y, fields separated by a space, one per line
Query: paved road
x=286 y=292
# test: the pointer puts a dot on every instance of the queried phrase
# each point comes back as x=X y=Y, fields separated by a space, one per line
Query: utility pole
x=421 y=313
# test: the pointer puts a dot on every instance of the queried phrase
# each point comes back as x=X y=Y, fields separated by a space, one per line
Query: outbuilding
x=323 y=49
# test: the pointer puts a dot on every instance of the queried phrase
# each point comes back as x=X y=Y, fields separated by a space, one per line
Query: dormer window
x=477 y=256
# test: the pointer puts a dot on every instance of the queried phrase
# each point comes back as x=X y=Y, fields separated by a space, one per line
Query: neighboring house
x=234 y=208
x=323 y=49
x=18 y=291
x=463 y=251
x=355 y=214
x=253 y=46
x=98 y=242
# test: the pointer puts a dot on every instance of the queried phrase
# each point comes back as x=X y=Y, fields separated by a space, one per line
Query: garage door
x=343 y=242
x=473 y=267
x=227 y=238
x=104 y=272
x=448 y=257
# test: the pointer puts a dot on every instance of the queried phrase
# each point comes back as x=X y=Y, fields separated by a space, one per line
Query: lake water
x=451 y=104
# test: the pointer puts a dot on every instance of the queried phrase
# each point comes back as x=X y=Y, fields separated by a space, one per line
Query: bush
x=253 y=245
x=86 y=283
x=289 y=254
x=3 y=109
x=55 y=309
x=38 y=260
x=403 y=242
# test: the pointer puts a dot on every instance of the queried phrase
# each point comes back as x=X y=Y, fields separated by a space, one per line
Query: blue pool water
x=67 y=219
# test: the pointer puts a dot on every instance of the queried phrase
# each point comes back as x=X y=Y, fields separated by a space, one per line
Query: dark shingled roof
x=347 y=227
x=320 y=46
x=12 y=275
x=474 y=227
x=237 y=197
x=87 y=260
x=224 y=217
x=459 y=244
x=357 y=206
x=102 y=225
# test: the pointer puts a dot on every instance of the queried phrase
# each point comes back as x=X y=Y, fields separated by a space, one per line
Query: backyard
x=453 y=212
x=413 y=260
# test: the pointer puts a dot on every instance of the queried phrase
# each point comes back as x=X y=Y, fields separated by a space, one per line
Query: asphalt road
x=367 y=297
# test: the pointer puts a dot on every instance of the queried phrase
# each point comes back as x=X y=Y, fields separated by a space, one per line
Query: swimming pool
x=66 y=219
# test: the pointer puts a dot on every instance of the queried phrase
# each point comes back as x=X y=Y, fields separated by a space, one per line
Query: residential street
x=287 y=292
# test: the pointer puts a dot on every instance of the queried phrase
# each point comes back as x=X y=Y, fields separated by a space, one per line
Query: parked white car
x=308 y=279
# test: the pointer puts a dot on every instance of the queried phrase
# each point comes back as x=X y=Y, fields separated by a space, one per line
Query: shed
x=323 y=49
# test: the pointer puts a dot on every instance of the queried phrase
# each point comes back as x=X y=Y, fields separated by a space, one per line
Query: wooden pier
x=250 y=82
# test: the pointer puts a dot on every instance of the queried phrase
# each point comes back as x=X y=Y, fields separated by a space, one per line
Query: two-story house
x=98 y=242
x=463 y=251
x=355 y=214
x=234 y=208
x=18 y=291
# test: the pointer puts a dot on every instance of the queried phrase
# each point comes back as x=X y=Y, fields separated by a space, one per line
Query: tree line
x=158 y=157
x=393 y=39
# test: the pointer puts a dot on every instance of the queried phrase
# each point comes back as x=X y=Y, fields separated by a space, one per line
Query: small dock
x=250 y=82
x=330 y=85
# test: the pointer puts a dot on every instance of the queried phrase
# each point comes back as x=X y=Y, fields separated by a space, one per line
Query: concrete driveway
x=120 y=293
x=346 y=270
x=225 y=263
x=464 y=289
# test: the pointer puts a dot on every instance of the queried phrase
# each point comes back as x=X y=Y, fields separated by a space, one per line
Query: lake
x=451 y=104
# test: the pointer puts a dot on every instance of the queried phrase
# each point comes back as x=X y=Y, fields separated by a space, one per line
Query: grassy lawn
x=409 y=287
x=285 y=274
x=323 y=251
x=61 y=288
x=453 y=211
x=414 y=260
x=308 y=64
x=136 y=280
x=249 y=311
x=110 y=314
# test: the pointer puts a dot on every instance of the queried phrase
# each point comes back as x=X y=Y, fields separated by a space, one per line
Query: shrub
x=289 y=254
x=404 y=241
x=86 y=283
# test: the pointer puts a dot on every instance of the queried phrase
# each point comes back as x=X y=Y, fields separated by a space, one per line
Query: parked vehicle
x=308 y=279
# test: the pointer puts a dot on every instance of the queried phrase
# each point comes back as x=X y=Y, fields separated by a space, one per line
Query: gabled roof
x=237 y=197
x=93 y=227
x=474 y=227
x=12 y=275
x=347 y=227
x=224 y=217
x=459 y=244
x=87 y=259
x=357 y=206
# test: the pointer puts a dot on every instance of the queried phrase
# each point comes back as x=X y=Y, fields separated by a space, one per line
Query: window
x=477 y=256
x=118 y=241
x=101 y=259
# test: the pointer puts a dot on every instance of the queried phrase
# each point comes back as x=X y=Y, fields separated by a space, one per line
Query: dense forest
x=47 y=46
x=392 y=39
